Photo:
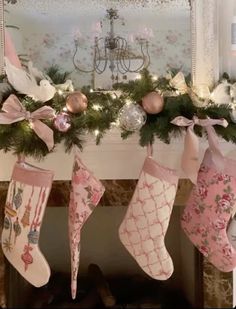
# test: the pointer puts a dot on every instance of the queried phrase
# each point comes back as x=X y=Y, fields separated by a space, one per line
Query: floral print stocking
x=86 y=192
x=209 y=210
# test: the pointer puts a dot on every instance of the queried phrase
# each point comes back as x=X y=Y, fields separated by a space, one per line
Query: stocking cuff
x=152 y=168
x=31 y=175
x=229 y=165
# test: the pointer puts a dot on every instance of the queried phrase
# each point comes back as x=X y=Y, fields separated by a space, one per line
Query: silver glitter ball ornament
x=132 y=117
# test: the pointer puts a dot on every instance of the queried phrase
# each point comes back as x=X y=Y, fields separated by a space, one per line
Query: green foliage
x=102 y=113
x=56 y=75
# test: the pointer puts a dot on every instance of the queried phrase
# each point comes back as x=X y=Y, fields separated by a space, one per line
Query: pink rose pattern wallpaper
x=47 y=43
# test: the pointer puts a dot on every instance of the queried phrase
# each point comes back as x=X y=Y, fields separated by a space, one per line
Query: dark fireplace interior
x=108 y=276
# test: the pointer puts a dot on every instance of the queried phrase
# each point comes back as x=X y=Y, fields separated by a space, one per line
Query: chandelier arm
x=148 y=56
x=142 y=64
x=97 y=60
x=124 y=61
x=124 y=49
x=120 y=52
x=76 y=65
x=120 y=66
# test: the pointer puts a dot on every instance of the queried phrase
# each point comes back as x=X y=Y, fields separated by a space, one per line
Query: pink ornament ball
x=62 y=122
x=76 y=102
x=153 y=103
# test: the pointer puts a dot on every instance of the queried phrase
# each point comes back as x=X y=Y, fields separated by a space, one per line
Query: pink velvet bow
x=190 y=164
x=15 y=111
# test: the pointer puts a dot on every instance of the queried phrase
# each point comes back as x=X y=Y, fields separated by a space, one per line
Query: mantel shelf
x=114 y=158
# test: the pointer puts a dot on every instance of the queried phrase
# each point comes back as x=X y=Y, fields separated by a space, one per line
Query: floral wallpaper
x=48 y=41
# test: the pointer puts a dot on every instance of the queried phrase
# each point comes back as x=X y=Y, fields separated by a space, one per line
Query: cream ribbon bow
x=189 y=162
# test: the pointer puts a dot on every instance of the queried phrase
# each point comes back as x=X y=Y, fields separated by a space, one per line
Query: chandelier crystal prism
x=114 y=52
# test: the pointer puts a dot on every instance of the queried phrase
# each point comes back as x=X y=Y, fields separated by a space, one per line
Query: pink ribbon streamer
x=10 y=51
x=189 y=162
x=14 y=111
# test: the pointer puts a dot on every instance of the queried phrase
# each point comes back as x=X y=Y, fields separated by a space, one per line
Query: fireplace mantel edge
x=114 y=158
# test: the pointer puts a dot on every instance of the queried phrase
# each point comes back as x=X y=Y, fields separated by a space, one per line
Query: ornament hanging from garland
x=62 y=122
x=153 y=103
x=132 y=117
x=76 y=102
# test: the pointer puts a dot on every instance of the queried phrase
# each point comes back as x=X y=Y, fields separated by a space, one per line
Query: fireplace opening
x=116 y=275
x=97 y=291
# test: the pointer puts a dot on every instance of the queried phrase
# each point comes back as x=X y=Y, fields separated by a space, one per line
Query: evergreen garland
x=20 y=138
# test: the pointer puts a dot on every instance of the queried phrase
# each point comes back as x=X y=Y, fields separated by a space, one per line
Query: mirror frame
x=205 y=45
x=2 y=37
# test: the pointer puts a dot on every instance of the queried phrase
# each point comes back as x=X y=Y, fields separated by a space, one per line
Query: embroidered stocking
x=86 y=192
x=209 y=209
x=145 y=224
x=24 y=210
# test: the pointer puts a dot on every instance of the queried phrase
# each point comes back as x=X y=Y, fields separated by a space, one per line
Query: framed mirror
x=109 y=40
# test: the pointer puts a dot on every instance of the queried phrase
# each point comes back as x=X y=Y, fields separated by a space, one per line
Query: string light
x=127 y=101
x=138 y=76
x=96 y=132
x=96 y=107
x=154 y=77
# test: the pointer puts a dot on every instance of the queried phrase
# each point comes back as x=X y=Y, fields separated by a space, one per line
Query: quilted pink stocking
x=86 y=192
x=24 y=210
x=144 y=227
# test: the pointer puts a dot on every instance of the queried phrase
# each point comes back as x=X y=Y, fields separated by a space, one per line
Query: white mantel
x=114 y=158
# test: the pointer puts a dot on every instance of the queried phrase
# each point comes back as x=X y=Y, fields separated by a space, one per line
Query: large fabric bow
x=14 y=111
x=189 y=163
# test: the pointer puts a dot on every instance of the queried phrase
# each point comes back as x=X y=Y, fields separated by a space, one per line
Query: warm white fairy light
x=64 y=109
x=115 y=124
x=60 y=92
x=96 y=107
x=91 y=90
x=113 y=95
x=154 y=77
x=127 y=101
x=96 y=132
x=138 y=76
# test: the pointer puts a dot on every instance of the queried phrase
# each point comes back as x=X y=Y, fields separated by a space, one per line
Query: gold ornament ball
x=76 y=102
x=153 y=103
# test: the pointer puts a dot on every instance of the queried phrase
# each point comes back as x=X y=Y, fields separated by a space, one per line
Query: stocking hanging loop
x=190 y=155
x=149 y=150
x=20 y=158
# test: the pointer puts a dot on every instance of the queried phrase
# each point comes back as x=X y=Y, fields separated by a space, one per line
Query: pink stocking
x=211 y=205
x=86 y=192
x=24 y=210
x=144 y=227
x=209 y=209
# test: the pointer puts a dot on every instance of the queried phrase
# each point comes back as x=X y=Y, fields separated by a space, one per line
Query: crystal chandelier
x=113 y=52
